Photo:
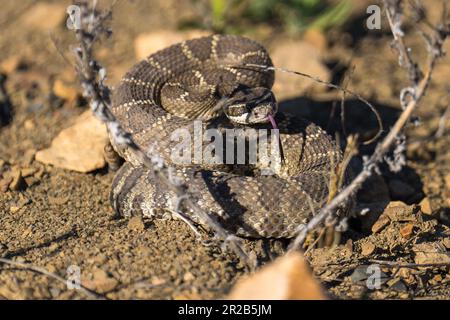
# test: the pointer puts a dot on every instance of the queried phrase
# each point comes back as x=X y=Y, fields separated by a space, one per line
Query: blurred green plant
x=292 y=15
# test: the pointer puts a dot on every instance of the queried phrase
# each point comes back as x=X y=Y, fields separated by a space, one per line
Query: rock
x=436 y=279
x=27 y=232
x=11 y=294
x=5 y=183
x=381 y=223
x=18 y=182
x=400 y=190
x=101 y=282
x=28 y=157
x=288 y=277
x=430 y=252
x=26 y=172
x=188 y=276
x=400 y=211
x=14 y=209
x=29 y=125
x=407 y=231
x=316 y=38
x=370 y=213
x=148 y=43
x=10 y=64
x=65 y=91
x=55 y=292
x=367 y=248
x=79 y=147
x=44 y=16
x=397 y=285
x=446 y=242
x=425 y=206
x=297 y=56
x=136 y=223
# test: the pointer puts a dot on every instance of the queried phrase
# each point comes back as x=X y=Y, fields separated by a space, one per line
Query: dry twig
x=394 y=264
x=92 y=77
x=416 y=91
x=42 y=271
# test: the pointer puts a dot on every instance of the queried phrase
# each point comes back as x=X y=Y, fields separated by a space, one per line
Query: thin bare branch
x=395 y=264
x=329 y=85
x=92 y=77
x=44 y=272
x=385 y=145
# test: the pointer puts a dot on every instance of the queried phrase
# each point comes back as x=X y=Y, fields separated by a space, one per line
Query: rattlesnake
x=206 y=78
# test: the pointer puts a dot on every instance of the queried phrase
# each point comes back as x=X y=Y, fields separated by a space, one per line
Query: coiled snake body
x=187 y=81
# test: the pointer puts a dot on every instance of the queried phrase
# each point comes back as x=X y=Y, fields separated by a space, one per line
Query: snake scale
x=188 y=81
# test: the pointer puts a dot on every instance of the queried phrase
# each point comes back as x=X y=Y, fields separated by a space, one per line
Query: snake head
x=250 y=105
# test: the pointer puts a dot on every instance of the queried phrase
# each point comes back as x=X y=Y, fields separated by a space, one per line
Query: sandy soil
x=60 y=218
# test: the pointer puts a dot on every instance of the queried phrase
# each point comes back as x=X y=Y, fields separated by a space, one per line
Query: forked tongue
x=274 y=126
x=272 y=121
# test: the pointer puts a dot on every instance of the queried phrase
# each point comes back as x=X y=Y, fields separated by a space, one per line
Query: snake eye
x=237 y=113
x=237 y=110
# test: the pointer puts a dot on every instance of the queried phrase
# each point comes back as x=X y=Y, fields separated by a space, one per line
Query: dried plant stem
x=382 y=148
x=92 y=77
x=42 y=271
x=369 y=166
x=409 y=265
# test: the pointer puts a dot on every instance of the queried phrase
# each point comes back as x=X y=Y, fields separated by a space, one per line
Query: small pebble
x=4 y=184
x=425 y=206
x=14 y=209
x=26 y=172
x=29 y=125
x=397 y=285
x=28 y=157
x=188 y=276
x=407 y=231
x=382 y=222
x=367 y=248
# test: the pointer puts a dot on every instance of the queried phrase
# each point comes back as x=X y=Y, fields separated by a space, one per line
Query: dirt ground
x=58 y=218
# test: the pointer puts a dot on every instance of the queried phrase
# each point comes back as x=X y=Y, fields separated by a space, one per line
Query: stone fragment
x=367 y=248
x=79 y=147
x=288 y=277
